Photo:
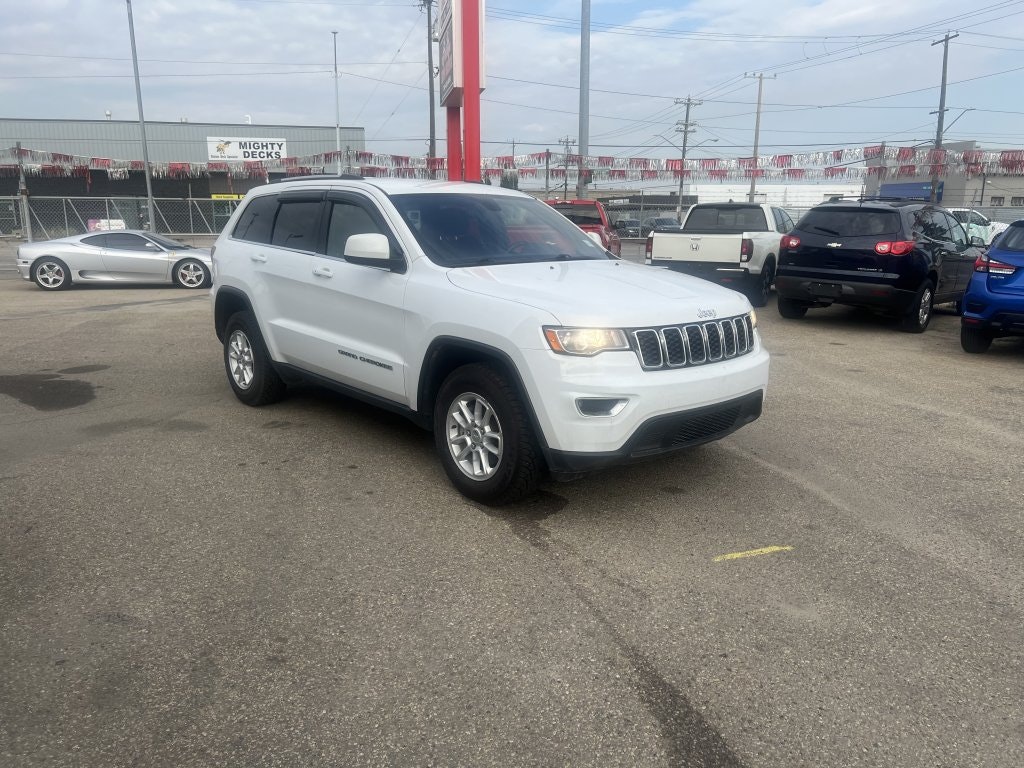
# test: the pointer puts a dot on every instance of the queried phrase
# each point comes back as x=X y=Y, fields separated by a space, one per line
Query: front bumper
x=666 y=434
x=655 y=404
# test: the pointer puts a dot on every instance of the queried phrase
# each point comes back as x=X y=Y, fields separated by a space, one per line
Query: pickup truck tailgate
x=718 y=249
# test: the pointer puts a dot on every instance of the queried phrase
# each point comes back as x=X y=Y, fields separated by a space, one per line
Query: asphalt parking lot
x=186 y=581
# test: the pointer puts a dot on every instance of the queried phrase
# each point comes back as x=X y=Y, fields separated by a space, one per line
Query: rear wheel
x=761 y=285
x=483 y=436
x=920 y=313
x=51 y=274
x=792 y=309
x=975 y=340
x=250 y=371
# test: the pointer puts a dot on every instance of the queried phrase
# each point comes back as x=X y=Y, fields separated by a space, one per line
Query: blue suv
x=994 y=303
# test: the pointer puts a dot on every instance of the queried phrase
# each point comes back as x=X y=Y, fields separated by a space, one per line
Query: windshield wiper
x=825 y=229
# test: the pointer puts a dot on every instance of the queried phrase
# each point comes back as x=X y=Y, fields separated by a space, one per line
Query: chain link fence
x=53 y=217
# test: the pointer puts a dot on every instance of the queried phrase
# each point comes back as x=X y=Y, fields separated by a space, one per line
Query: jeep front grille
x=675 y=346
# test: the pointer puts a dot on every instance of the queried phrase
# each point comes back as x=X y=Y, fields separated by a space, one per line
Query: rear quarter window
x=1012 y=239
x=257 y=220
x=850 y=222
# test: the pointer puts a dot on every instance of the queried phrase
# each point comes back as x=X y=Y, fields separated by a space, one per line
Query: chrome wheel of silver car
x=50 y=274
x=474 y=436
x=191 y=274
x=240 y=362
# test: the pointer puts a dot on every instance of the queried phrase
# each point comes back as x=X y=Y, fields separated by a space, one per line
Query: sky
x=838 y=73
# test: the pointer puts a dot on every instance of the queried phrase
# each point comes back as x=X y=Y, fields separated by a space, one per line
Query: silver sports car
x=122 y=256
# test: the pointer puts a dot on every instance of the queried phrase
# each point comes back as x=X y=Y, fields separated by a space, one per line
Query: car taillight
x=649 y=247
x=984 y=264
x=788 y=242
x=894 y=247
x=746 y=249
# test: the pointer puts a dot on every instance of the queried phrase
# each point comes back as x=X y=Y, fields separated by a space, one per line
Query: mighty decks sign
x=245 y=149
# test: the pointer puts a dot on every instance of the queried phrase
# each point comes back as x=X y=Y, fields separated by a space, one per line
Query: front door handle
x=323 y=272
x=258 y=257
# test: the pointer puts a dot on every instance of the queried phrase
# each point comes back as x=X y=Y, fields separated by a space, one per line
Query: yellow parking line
x=750 y=553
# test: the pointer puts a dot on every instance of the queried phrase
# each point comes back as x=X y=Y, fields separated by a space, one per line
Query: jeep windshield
x=467 y=230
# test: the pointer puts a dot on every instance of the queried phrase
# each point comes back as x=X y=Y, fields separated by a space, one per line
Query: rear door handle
x=258 y=257
x=323 y=272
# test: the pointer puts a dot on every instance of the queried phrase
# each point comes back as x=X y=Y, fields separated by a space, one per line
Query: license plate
x=826 y=289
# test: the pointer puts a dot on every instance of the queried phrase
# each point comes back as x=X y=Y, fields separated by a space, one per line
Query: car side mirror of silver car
x=977 y=242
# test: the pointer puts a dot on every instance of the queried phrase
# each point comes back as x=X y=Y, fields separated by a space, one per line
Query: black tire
x=511 y=475
x=921 y=309
x=975 y=340
x=760 y=286
x=791 y=308
x=250 y=372
x=191 y=273
x=51 y=274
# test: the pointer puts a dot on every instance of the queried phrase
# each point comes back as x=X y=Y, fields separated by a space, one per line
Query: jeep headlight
x=585 y=341
x=753 y=319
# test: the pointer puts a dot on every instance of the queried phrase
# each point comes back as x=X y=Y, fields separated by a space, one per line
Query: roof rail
x=875 y=198
x=321 y=176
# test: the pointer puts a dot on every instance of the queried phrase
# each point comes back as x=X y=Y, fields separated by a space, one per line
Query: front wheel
x=791 y=308
x=974 y=340
x=250 y=371
x=920 y=313
x=51 y=274
x=483 y=436
x=191 y=273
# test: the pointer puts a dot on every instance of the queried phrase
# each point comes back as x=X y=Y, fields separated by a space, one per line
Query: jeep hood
x=603 y=293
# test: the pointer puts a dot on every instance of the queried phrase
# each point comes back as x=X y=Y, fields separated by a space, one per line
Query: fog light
x=600 y=406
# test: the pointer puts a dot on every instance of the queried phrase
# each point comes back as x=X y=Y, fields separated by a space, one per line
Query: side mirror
x=977 y=242
x=372 y=249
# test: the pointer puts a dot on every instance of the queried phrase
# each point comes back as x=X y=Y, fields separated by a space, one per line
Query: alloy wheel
x=474 y=436
x=240 y=361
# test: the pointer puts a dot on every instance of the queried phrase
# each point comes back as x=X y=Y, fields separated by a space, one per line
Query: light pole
x=337 y=107
x=142 y=123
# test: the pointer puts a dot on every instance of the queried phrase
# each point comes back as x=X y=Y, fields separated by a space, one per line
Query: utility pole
x=686 y=129
x=584 y=127
x=337 y=109
x=757 y=129
x=432 y=146
x=547 y=172
x=942 y=109
x=566 y=142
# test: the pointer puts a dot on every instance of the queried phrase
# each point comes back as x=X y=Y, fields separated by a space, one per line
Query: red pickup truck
x=590 y=216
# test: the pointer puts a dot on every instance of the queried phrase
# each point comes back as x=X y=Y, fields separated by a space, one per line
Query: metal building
x=118 y=143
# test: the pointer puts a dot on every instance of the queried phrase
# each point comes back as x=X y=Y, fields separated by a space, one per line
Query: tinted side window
x=296 y=225
x=96 y=241
x=959 y=236
x=932 y=224
x=257 y=220
x=347 y=219
x=787 y=222
x=123 y=241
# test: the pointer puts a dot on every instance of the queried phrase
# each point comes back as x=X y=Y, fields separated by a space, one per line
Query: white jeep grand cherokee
x=486 y=316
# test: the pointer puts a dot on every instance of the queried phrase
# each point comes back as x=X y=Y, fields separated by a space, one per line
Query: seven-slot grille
x=675 y=346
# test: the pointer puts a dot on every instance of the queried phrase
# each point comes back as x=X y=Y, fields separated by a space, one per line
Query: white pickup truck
x=734 y=244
